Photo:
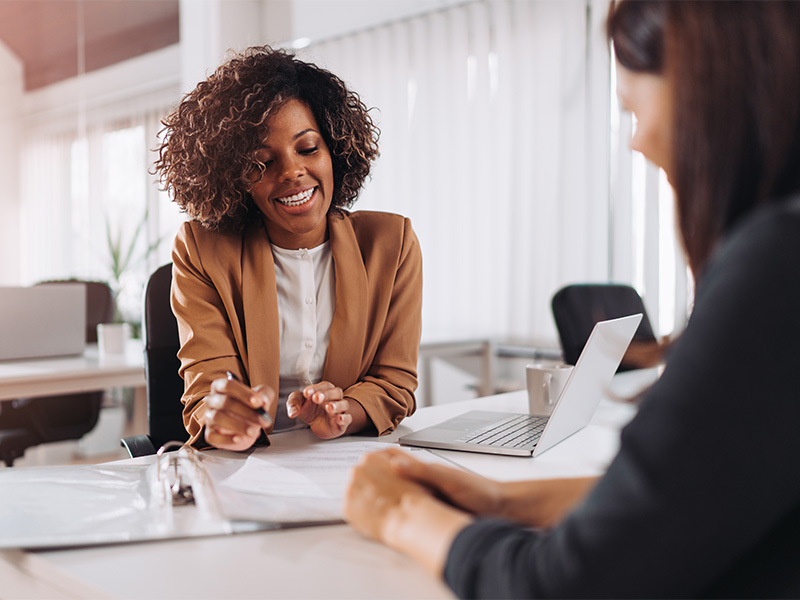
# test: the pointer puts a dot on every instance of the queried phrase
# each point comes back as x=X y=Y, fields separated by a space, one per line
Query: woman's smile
x=297 y=199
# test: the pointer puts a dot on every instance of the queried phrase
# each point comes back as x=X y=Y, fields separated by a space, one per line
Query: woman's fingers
x=235 y=414
x=295 y=404
x=231 y=424
x=226 y=441
x=340 y=423
x=321 y=397
x=236 y=390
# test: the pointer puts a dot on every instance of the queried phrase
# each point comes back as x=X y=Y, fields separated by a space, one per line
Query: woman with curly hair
x=292 y=311
x=703 y=498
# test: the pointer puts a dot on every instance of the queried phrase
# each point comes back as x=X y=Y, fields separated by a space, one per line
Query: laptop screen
x=42 y=320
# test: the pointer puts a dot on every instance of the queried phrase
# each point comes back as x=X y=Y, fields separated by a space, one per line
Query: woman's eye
x=307 y=151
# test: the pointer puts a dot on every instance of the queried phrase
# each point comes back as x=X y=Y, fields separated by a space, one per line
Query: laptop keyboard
x=516 y=431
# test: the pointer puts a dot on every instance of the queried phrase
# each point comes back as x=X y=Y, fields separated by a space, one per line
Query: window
x=92 y=211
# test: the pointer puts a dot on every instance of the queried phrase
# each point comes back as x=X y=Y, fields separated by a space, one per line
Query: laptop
x=42 y=320
x=513 y=434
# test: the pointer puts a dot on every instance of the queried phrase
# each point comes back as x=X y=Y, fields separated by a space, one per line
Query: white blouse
x=306 y=301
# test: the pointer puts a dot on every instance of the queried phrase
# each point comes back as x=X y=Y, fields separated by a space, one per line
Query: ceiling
x=43 y=34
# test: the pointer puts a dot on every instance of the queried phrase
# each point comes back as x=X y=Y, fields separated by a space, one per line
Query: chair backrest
x=576 y=309
x=161 y=345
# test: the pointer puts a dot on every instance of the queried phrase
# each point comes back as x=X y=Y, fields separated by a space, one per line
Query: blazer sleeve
x=206 y=318
x=386 y=390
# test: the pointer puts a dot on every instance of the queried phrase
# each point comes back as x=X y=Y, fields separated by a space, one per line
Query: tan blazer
x=225 y=301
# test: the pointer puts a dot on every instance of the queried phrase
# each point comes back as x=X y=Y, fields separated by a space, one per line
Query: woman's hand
x=539 y=503
x=467 y=491
x=326 y=411
x=383 y=505
x=231 y=420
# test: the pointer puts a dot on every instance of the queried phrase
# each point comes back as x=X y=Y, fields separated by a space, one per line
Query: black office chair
x=164 y=385
x=576 y=309
x=27 y=422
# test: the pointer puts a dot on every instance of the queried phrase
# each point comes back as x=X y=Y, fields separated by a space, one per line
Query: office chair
x=164 y=385
x=27 y=422
x=576 y=309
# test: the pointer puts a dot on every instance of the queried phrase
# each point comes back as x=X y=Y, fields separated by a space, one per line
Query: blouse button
x=309 y=300
x=309 y=343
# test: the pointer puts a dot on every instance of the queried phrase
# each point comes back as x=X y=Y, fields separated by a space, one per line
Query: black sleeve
x=706 y=481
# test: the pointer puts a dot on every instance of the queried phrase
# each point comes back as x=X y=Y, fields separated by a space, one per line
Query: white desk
x=72 y=374
x=315 y=562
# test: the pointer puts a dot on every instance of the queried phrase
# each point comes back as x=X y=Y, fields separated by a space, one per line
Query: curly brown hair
x=208 y=152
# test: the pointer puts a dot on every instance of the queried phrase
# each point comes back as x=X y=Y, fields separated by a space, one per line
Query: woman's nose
x=291 y=168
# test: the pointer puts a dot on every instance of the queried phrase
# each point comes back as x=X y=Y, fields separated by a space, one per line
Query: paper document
x=289 y=484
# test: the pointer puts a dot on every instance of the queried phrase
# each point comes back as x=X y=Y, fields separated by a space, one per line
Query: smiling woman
x=294 y=188
x=315 y=311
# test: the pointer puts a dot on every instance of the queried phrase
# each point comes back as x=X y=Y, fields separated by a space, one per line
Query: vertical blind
x=87 y=194
x=496 y=142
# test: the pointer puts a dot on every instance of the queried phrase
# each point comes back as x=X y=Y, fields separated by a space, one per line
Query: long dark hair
x=735 y=72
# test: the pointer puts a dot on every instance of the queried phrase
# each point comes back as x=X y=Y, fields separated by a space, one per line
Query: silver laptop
x=42 y=320
x=529 y=435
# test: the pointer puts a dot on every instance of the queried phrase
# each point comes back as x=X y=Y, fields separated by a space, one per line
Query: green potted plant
x=123 y=257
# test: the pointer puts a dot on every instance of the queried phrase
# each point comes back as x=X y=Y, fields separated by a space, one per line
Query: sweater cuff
x=471 y=570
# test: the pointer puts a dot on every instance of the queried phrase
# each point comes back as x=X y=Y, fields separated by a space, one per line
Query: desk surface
x=314 y=562
x=72 y=374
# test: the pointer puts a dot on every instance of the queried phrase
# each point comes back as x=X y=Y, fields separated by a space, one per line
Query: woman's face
x=649 y=98
x=296 y=187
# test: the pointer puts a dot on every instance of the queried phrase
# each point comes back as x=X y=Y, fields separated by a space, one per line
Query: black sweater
x=703 y=498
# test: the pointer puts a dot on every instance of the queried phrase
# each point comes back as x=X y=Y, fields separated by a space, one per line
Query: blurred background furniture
x=161 y=363
x=27 y=422
x=577 y=307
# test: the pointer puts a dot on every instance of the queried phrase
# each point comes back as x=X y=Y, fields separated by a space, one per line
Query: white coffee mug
x=545 y=384
x=112 y=338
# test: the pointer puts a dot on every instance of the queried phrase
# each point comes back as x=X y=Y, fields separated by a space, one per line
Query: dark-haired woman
x=292 y=311
x=703 y=498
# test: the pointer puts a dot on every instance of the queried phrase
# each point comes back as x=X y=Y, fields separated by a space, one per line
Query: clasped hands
x=419 y=507
x=233 y=423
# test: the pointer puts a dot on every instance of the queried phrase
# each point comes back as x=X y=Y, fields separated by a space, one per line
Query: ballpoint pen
x=260 y=410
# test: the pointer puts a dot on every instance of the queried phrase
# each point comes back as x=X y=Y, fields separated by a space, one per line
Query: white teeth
x=297 y=199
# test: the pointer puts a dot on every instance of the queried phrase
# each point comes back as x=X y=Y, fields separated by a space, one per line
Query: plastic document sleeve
x=48 y=507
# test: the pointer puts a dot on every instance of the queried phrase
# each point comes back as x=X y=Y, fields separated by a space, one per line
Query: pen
x=260 y=410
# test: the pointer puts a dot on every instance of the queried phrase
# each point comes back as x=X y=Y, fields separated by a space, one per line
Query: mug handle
x=547 y=379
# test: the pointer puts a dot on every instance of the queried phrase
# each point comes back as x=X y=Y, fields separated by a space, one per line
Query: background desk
x=84 y=373
x=314 y=562
x=72 y=374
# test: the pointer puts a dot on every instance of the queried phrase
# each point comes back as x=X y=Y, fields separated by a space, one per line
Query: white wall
x=11 y=86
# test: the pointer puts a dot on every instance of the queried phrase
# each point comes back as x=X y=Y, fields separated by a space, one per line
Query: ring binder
x=110 y=503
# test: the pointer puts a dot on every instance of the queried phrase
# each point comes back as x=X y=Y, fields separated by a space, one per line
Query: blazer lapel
x=348 y=336
x=260 y=305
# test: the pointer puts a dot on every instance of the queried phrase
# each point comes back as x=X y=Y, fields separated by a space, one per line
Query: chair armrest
x=138 y=445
